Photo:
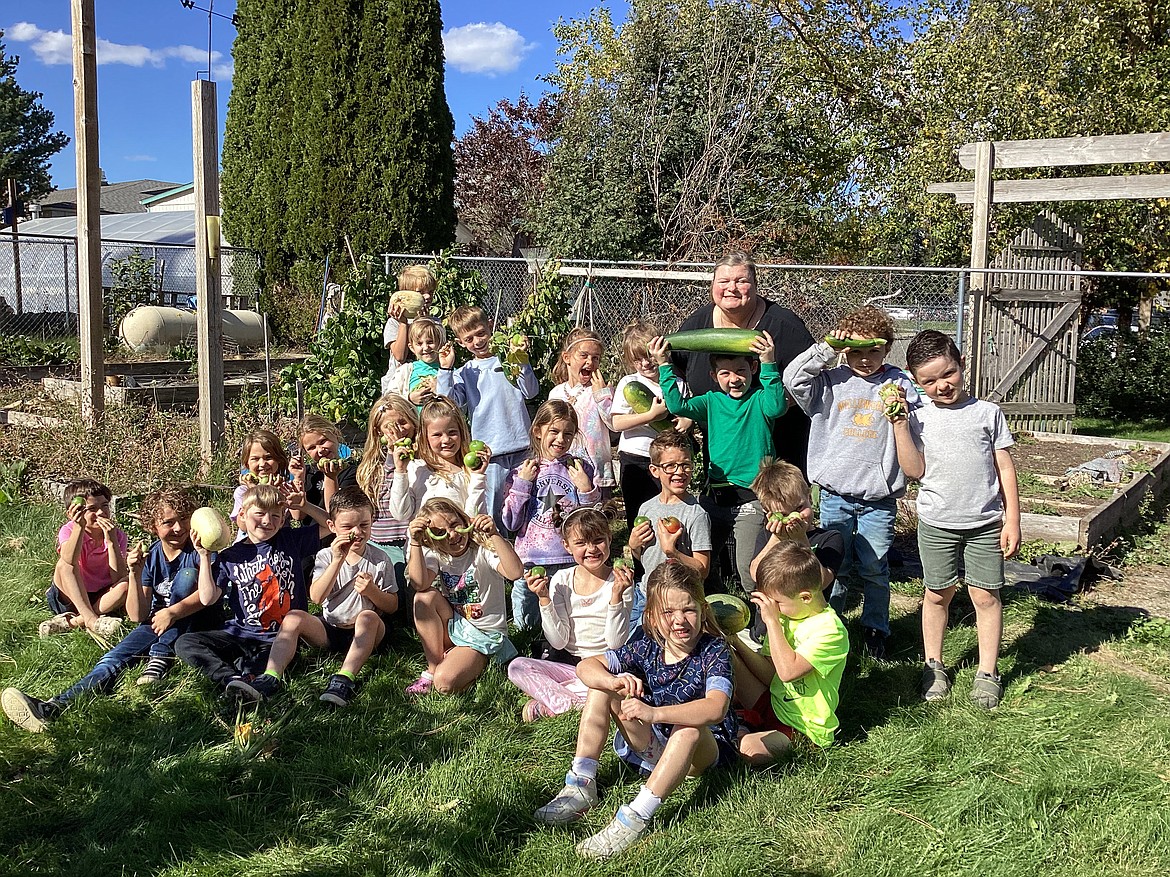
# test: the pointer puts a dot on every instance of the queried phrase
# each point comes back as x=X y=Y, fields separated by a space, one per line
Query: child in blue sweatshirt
x=493 y=404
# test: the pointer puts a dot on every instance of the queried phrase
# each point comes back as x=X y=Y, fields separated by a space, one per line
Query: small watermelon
x=731 y=613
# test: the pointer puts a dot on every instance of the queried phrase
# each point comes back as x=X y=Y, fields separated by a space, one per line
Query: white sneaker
x=57 y=624
x=570 y=804
x=106 y=626
x=623 y=832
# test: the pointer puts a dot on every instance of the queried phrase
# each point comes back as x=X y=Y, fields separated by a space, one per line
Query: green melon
x=731 y=613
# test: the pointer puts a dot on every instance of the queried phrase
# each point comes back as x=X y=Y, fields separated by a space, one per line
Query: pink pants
x=555 y=685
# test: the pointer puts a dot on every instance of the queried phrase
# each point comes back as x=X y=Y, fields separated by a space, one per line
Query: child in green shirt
x=791 y=687
x=737 y=423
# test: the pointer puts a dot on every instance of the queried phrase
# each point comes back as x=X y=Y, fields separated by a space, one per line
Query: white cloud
x=56 y=47
x=139 y=158
x=485 y=48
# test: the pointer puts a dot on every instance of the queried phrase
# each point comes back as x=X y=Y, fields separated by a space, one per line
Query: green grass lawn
x=1147 y=431
x=1071 y=775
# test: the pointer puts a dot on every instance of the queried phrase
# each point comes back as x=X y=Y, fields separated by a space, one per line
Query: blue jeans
x=639 y=607
x=139 y=642
x=498 y=469
x=525 y=604
x=867 y=531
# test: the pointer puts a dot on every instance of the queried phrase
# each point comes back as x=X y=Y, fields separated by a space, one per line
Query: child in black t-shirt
x=785 y=498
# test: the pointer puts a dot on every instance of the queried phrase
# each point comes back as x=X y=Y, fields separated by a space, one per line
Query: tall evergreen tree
x=27 y=138
x=338 y=124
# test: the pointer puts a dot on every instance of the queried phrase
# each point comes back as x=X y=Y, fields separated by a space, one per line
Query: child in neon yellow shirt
x=792 y=686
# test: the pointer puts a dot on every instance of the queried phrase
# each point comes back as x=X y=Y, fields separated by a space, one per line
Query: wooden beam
x=703 y=277
x=1066 y=189
x=1073 y=151
x=209 y=312
x=1020 y=409
x=91 y=313
x=980 y=229
x=1037 y=347
x=1001 y=294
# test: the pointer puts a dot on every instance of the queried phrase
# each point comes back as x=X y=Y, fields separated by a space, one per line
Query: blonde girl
x=638 y=485
x=440 y=467
x=459 y=567
x=551 y=471
x=263 y=460
x=584 y=610
x=392 y=419
x=581 y=384
x=669 y=694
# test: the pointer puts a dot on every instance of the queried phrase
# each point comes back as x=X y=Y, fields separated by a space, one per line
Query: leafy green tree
x=337 y=126
x=27 y=138
x=689 y=129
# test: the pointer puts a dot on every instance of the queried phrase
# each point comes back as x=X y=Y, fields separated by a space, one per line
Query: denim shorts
x=979 y=549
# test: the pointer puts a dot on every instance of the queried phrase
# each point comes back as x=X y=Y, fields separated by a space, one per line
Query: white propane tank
x=151 y=325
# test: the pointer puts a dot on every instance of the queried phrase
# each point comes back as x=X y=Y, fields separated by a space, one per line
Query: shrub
x=1124 y=376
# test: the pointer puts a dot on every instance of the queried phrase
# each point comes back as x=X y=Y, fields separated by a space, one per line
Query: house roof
x=115 y=198
x=170 y=193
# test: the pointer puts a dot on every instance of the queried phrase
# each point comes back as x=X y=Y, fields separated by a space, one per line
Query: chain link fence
x=608 y=296
x=38 y=281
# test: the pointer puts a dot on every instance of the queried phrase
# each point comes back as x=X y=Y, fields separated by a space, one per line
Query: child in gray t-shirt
x=671 y=526
x=968 y=506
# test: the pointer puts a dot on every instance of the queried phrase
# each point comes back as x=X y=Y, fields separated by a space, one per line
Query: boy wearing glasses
x=672 y=526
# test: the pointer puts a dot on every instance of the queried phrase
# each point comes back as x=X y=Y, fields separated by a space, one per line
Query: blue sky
x=150 y=50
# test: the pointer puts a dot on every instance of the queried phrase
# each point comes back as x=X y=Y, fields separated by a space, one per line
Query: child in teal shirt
x=737 y=422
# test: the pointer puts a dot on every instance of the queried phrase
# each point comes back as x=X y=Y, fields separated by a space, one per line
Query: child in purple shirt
x=539 y=493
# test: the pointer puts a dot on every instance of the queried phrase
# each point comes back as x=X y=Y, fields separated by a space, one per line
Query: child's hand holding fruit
x=670 y=530
x=642 y=534
x=136 y=557
x=537 y=580
x=791 y=526
x=623 y=579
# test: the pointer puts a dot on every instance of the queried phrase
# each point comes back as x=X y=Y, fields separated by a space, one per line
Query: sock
x=645 y=803
x=427 y=675
x=273 y=674
x=584 y=768
x=347 y=675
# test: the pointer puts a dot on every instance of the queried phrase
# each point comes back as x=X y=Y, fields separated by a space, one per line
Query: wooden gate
x=1027 y=327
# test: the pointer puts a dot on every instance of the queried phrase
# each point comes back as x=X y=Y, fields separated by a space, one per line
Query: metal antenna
x=234 y=18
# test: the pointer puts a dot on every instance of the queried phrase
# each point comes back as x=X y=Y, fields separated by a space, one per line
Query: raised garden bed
x=1052 y=510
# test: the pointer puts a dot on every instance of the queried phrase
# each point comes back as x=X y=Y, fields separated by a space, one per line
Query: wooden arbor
x=1023 y=329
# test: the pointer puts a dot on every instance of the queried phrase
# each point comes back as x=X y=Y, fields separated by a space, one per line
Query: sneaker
x=240 y=689
x=534 y=710
x=339 y=691
x=106 y=626
x=577 y=798
x=56 y=624
x=267 y=685
x=935 y=683
x=28 y=712
x=420 y=686
x=875 y=643
x=153 y=672
x=987 y=691
x=623 y=831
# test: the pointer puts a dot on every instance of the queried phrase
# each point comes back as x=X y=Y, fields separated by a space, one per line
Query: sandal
x=987 y=691
x=534 y=710
x=420 y=686
x=61 y=623
x=935 y=683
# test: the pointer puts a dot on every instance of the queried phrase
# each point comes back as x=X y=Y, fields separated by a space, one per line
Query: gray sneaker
x=571 y=803
x=987 y=691
x=153 y=672
x=623 y=831
x=935 y=683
